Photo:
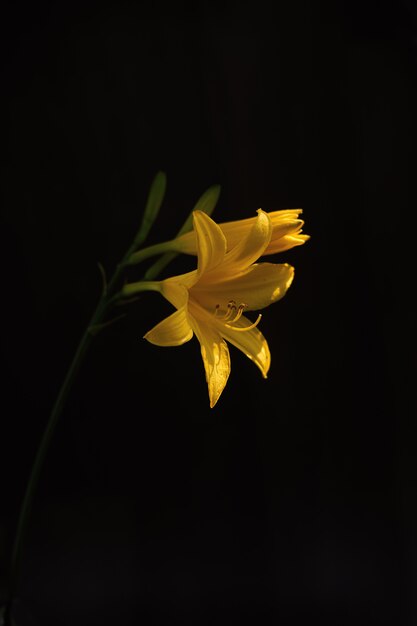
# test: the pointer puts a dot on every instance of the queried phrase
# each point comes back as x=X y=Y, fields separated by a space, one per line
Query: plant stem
x=106 y=300
x=145 y=253
x=26 y=506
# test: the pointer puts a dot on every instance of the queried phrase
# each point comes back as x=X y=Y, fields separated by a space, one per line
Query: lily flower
x=286 y=233
x=212 y=299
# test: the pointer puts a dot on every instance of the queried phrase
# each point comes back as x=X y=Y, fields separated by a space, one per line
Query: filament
x=245 y=328
x=231 y=308
x=233 y=315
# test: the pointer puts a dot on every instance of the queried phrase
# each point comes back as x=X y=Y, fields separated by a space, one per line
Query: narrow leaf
x=96 y=328
x=159 y=265
x=205 y=203
x=153 y=204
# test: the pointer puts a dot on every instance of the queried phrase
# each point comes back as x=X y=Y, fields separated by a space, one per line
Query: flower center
x=233 y=312
x=233 y=315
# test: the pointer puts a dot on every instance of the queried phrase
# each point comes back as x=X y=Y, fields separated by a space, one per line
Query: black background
x=294 y=500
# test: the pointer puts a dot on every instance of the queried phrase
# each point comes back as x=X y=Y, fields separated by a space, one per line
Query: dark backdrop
x=293 y=501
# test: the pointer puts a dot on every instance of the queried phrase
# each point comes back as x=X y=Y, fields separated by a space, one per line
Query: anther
x=231 y=308
x=239 y=312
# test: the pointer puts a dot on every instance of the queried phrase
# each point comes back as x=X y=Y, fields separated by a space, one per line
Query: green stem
x=131 y=289
x=37 y=466
x=106 y=301
x=145 y=253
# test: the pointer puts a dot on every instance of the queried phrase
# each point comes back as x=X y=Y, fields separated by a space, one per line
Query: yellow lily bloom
x=210 y=300
x=286 y=233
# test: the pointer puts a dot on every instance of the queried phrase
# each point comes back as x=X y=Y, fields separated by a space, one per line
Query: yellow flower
x=286 y=233
x=210 y=300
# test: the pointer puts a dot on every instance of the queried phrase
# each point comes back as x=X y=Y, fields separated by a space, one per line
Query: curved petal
x=281 y=220
x=258 y=287
x=238 y=229
x=211 y=243
x=286 y=231
x=250 y=342
x=172 y=331
x=288 y=241
x=175 y=291
x=247 y=251
x=216 y=357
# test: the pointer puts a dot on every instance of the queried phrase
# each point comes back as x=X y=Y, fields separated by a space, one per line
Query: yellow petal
x=261 y=285
x=172 y=331
x=283 y=222
x=211 y=243
x=248 y=250
x=250 y=342
x=175 y=290
x=216 y=358
x=287 y=242
x=235 y=231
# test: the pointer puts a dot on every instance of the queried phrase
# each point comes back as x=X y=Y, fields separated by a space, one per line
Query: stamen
x=245 y=328
x=239 y=312
x=233 y=315
x=231 y=308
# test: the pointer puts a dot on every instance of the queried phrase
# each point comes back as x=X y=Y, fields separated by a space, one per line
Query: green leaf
x=159 y=265
x=153 y=204
x=206 y=203
x=96 y=328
